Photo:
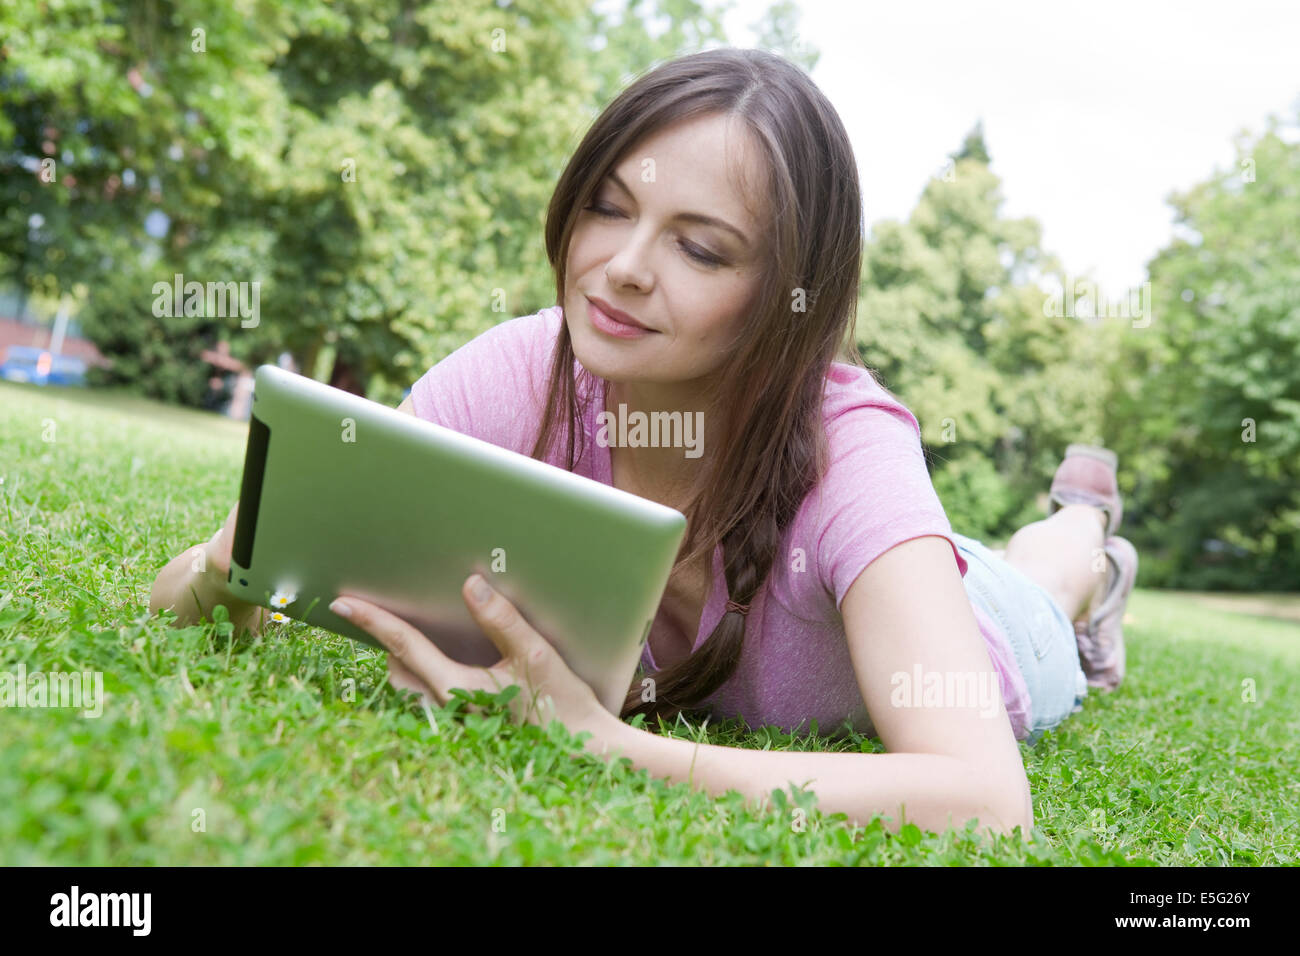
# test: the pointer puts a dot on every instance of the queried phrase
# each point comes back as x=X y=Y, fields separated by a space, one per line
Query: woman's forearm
x=933 y=791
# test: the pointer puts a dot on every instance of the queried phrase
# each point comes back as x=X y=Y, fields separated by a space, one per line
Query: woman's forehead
x=710 y=164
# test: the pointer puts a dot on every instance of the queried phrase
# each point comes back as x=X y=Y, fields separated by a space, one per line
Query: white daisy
x=278 y=618
x=283 y=598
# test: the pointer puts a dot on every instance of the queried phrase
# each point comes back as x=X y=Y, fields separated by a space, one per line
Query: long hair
x=773 y=450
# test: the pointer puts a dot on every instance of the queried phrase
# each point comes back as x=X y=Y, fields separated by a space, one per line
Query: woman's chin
x=599 y=361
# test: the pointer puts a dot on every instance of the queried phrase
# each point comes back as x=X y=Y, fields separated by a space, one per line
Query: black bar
x=250 y=494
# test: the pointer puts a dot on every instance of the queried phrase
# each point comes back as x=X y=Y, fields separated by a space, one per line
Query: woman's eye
x=701 y=258
x=695 y=253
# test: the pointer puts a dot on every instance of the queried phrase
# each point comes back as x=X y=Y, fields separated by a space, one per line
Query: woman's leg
x=1065 y=555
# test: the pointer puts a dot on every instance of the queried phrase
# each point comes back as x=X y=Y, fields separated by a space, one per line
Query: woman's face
x=644 y=249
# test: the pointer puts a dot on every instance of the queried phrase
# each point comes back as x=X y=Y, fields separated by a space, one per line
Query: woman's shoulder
x=875 y=493
x=855 y=404
x=508 y=348
x=877 y=481
x=490 y=386
x=522 y=335
x=876 y=465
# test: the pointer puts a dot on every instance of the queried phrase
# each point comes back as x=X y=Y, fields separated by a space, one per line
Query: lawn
x=292 y=748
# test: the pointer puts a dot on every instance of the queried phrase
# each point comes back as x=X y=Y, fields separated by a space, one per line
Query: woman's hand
x=195 y=581
x=549 y=689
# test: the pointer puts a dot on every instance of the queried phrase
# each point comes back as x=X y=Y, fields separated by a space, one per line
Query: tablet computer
x=344 y=495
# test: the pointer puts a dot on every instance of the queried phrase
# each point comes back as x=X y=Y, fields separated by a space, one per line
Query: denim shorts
x=1041 y=635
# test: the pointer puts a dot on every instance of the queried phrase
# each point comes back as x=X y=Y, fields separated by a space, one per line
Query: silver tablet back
x=344 y=495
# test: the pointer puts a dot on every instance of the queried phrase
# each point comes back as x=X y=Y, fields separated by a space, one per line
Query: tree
x=974 y=147
x=116 y=113
x=1207 y=398
x=379 y=171
x=953 y=317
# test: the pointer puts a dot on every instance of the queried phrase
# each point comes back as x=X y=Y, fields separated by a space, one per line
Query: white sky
x=1093 y=112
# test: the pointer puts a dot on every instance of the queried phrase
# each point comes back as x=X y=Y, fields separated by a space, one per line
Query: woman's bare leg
x=1065 y=554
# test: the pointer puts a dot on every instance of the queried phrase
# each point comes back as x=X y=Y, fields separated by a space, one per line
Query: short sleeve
x=877 y=493
x=490 y=387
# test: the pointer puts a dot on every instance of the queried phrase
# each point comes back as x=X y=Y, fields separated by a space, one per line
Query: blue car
x=23 y=363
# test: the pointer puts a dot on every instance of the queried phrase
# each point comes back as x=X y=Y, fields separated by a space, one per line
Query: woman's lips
x=611 y=326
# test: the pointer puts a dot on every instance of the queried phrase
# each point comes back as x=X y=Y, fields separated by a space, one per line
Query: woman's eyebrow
x=698 y=217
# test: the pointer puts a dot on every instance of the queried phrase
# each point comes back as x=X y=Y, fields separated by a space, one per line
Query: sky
x=1093 y=112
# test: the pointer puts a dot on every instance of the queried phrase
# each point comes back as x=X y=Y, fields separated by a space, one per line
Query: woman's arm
x=946 y=763
x=934 y=791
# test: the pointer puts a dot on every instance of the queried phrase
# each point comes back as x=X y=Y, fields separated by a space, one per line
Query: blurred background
x=1082 y=219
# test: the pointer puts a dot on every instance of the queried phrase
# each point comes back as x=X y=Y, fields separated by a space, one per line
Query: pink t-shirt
x=795 y=666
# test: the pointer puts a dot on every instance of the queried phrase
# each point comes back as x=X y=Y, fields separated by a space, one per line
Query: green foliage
x=979 y=501
x=974 y=146
x=954 y=319
x=380 y=169
x=1200 y=396
x=1205 y=402
x=129 y=118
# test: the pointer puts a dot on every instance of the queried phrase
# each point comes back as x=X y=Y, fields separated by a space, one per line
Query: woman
x=706 y=241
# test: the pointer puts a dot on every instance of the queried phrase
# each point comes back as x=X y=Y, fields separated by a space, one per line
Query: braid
x=749 y=552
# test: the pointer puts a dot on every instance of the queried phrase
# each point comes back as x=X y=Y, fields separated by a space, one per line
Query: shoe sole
x=1103 y=659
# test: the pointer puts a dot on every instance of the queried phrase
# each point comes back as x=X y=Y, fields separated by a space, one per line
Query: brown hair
x=773 y=450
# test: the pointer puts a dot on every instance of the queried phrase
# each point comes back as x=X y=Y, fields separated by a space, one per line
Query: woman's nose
x=629 y=266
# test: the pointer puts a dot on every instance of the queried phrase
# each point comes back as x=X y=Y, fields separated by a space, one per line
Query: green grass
x=291 y=748
x=1262 y=604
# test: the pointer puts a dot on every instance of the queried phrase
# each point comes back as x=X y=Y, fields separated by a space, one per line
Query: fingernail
x=339 y=608
x=479 y=589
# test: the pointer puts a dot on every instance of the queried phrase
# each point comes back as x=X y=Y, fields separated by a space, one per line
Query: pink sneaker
x=1087 y=477
x=1101 y=640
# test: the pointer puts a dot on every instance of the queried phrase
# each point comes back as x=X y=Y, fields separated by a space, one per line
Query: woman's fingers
x=415 y=663
x=410 y=649
x=402 y=679
x=499 y=619
x=526 y=655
